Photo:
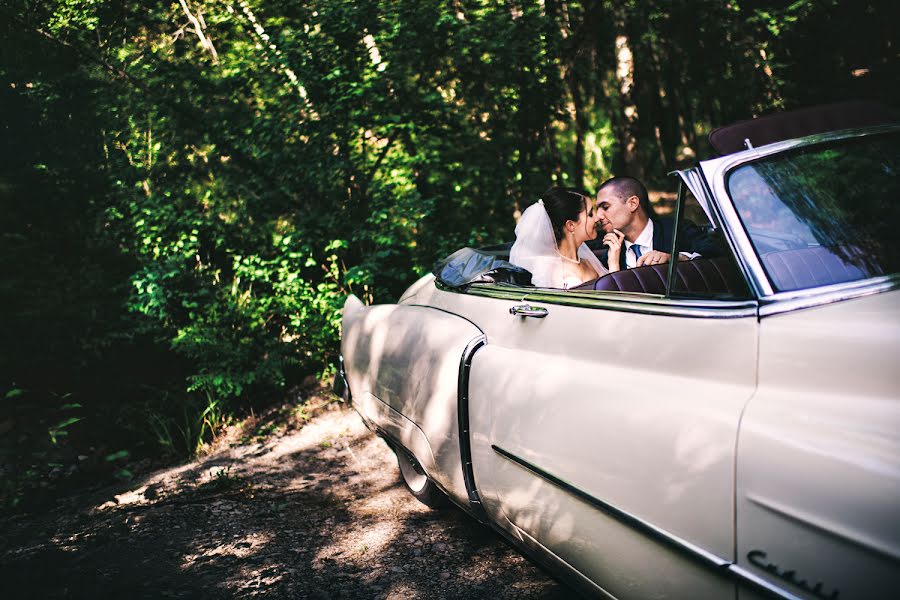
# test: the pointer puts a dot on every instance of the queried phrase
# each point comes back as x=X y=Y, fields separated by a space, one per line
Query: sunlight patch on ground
x=321 y=433
x=130 y=497
x=257 y=579
x=392 y=500
x=402 y=591
x=337 y=430
x=352 y=545
x=238 y=548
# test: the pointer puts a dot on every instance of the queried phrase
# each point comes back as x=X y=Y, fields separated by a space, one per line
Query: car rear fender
x=403 y=365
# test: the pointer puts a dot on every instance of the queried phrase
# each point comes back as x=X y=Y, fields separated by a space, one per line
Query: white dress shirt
x=645 y=241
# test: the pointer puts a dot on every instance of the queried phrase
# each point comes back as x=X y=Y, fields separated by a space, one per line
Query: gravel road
x=309 y=510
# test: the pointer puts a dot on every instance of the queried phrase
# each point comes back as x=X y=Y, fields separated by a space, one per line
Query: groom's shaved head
x=625 y=187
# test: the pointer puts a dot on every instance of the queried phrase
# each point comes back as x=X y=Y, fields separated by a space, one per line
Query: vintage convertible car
x=723 y=427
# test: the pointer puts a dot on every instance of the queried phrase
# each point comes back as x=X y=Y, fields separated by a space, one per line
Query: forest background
x=189 y=189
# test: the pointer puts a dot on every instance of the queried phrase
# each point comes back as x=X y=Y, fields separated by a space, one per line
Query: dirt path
x=311 y=513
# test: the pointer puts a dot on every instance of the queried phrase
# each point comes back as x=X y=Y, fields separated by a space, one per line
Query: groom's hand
x=654 y=257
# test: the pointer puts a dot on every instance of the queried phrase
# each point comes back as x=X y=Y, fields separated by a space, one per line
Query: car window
x=823 y=214
x=711 y=271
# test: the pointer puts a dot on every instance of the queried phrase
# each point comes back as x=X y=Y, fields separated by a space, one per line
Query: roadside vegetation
x=189 y=189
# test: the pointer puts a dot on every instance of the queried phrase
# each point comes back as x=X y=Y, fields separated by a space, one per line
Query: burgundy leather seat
x=817 y=266
x=713 y=276
x=801 y=268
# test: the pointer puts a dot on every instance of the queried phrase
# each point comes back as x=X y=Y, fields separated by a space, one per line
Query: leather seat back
x=796 y=269
x=817 y=266
x=713 y=276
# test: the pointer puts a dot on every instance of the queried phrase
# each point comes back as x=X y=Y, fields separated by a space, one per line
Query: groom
x=623 y=205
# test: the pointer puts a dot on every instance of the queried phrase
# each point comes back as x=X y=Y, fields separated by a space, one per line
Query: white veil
x=536 y=250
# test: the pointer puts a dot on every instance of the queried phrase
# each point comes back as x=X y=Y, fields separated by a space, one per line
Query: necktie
x=637 y=251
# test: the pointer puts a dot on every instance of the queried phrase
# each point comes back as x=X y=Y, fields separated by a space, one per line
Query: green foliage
x=59 y=430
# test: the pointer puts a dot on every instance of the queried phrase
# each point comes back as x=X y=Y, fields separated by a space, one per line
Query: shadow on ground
x=315 y=514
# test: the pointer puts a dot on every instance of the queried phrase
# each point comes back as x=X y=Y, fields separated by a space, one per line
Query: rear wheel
x=418 y=484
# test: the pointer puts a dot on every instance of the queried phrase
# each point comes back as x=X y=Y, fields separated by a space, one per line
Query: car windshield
x=823 y=214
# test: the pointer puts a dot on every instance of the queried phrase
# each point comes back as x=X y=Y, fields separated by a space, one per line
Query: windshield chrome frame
x=715 y=172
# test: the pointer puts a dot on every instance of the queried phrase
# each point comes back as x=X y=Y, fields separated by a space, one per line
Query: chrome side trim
x=683 y=307
x=715 y=563
x=648 y=304
x=462 y=415
x=745 y=576
x=798 y=300
x=691 y=550
x=556 y=296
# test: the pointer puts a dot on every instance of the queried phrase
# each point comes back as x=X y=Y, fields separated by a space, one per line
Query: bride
x=550 y=240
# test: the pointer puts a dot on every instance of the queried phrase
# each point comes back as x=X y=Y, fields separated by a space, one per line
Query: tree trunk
x=581 y=125
x=627 y=119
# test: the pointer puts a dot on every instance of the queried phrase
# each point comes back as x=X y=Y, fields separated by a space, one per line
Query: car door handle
x=526 y=310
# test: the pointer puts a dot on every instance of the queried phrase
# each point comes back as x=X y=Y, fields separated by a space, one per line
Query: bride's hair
x=563 y=204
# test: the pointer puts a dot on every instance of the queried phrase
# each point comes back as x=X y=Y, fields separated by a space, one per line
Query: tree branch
x=198 y=29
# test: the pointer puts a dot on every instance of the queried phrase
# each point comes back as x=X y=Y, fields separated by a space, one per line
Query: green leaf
x=116 y=456
x=124 y=474
x=66 y=422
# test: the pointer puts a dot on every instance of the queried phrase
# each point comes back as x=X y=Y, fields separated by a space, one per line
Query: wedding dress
x=536 y=250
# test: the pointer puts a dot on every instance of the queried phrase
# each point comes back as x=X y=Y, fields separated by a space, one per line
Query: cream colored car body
x=650 y=447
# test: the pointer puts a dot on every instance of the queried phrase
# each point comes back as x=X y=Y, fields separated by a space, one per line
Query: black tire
x=417 y=482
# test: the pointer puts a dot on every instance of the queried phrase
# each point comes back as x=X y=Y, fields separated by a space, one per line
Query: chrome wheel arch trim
x=717 y=564
x=396 y=445
x=463 y=427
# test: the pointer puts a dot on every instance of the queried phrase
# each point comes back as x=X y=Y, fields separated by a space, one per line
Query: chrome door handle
x=526 y=310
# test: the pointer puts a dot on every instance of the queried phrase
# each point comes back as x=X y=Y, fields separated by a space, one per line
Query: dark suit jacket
x=691 y=238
